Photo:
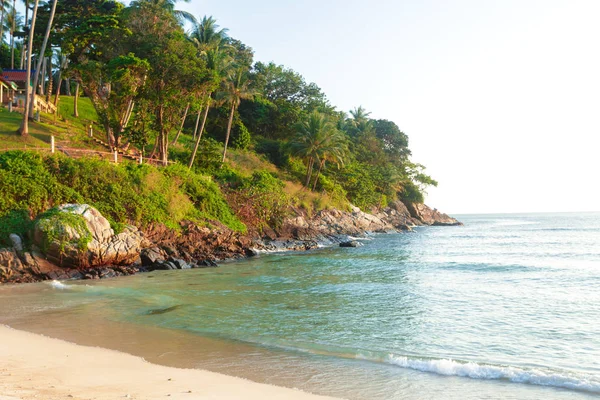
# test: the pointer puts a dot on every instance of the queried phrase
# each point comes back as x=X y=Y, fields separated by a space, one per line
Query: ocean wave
x=59 y=285
x=566 y=380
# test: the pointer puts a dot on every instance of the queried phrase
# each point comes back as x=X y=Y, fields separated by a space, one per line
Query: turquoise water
x=507 y=306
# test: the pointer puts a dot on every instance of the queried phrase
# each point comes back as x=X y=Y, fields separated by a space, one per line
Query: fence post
x=91 y=131
x=141 y=159
x=116 y=157
x=52 y=144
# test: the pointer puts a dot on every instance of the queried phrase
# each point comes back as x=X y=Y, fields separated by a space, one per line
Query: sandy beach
x=37 y=367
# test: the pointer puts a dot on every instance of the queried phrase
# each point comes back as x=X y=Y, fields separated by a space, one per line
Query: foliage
x=53 y=223
x=15 y=221
x=243 y=138
x=258 y=200
x=124 y=193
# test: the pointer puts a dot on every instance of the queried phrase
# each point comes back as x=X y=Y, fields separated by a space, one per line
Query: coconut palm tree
x=317 y=140
x=24 y=129
x=208 y=39
x=333 y=149
x=41 y=55
x=234 y=89
x=169 y=6
x=62 y=65
x=4 y=8
x=15 y=22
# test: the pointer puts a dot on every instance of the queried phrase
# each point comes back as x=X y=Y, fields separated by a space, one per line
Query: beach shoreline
x=33 y=366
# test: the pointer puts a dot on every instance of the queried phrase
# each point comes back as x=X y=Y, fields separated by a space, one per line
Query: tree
x=24 y=129
x=235 y=88
x=41 y=56
x=316 y=141
x=177 y=74
x=208 y=39
x=15 y=21
x=168 y=6
x=4 y=6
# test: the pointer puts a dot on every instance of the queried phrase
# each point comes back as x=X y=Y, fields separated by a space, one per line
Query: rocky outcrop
x=332 y=222
x=428 y=216
x=77 y=235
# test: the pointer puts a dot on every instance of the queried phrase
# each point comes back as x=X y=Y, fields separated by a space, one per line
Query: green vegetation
x=124 y=193
x=256 y=138
x=53 y=222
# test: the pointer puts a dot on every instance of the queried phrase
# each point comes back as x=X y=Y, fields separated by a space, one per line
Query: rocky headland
x=74 y=241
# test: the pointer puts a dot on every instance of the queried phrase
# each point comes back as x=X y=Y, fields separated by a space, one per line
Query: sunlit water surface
x=506 y=307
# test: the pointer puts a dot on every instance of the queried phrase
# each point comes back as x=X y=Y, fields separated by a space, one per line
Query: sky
x=500 y=99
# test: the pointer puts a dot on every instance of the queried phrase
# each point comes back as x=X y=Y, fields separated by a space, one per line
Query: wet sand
x=37 y=367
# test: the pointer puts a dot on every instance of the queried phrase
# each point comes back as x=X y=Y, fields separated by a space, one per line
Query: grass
x=68 y=131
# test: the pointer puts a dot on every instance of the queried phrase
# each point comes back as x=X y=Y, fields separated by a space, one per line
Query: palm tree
x=317 y=140
x=4 y=7
x=359 y=116
x=15 y=21
x=24 y=129
x=235 y=89
x=41 y=56
x=62 y=65
x=208 y=39
x=334 y=149
x=169 y=6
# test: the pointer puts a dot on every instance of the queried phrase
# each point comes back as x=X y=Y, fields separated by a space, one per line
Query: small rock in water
x=350 y=243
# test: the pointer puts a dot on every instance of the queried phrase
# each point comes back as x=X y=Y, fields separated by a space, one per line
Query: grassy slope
x=68 y=130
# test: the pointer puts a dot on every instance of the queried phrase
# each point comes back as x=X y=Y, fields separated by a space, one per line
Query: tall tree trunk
x=43 y=51
x=182 y=122
x=2 y=24
x=321 y=165
x=199 y=135
x=68 y=86
x=309 y=169
x=197 y=124
x=12 y=35
x=40 y=72
x=164 y=139
x=228 y=131
x=50 y=80
x=58 y=89
x=76 y=100
x=24 y=129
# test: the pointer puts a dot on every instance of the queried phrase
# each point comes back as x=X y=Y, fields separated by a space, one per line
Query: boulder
x=350 y=243
x=16 y=242
x=152 y=255
x=77 y=235
x=429 y=216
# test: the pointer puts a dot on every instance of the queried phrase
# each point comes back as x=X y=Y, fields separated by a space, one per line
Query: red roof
x=14 y=75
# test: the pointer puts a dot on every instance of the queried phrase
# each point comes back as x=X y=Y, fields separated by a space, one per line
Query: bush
x=123 y=193
x=16 y=221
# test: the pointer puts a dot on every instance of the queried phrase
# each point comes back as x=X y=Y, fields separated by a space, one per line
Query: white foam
x=473 y=370
x=59 y=285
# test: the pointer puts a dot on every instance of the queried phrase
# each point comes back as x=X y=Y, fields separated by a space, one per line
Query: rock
x=152 y=255
x=11 y=266
x=16 y=242
x=350 y=243
x=77 y=235
x=430 y=216
x=180 y=264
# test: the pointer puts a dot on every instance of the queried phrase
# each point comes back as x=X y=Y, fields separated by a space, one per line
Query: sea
x=504 y=307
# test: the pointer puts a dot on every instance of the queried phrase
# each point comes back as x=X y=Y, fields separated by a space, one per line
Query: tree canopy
x=143 y=68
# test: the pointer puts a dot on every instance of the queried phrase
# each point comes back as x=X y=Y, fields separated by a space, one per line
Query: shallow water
x=507 y=306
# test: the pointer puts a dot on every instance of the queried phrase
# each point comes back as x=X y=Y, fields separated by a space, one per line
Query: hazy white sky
x=500 y=99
